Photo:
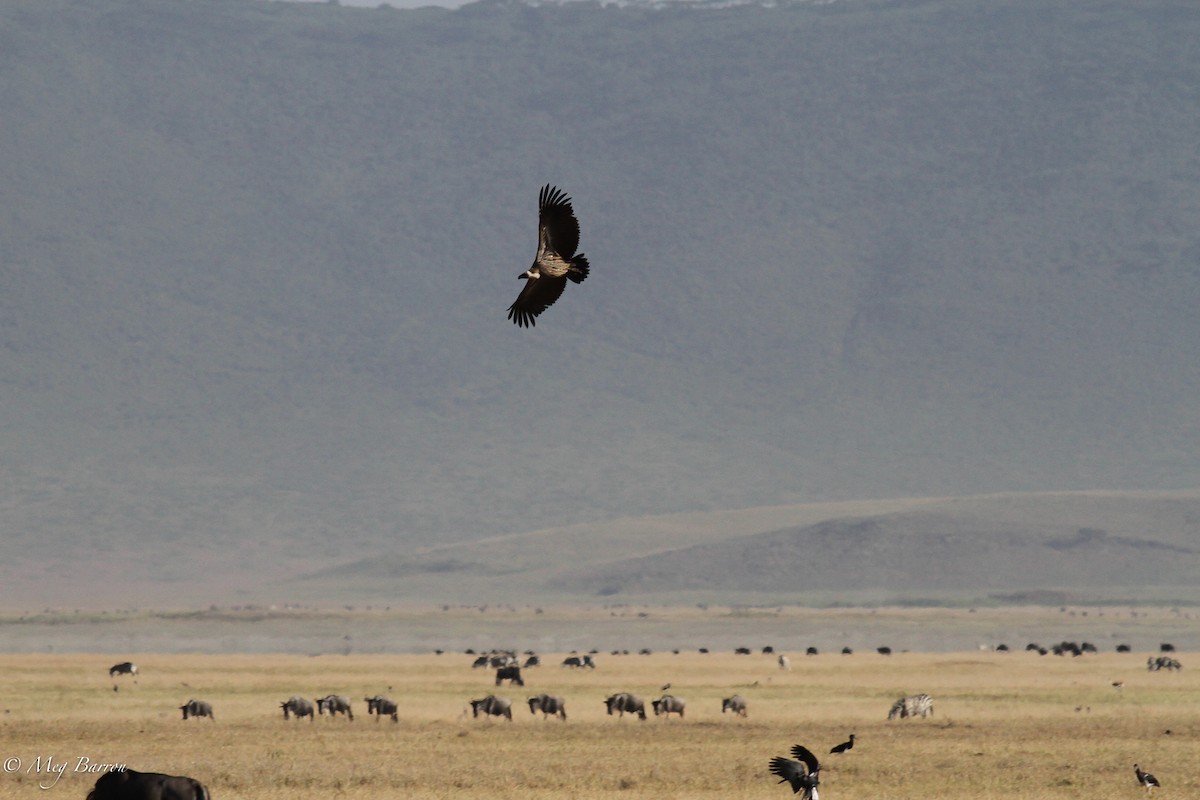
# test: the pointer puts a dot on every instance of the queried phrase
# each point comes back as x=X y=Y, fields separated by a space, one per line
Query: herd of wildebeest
x=801 y=774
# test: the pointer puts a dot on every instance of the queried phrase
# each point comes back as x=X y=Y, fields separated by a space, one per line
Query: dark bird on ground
x=844 y=746
x=555 y=262
x=803 y=775
x=1145 y=779
x=666 y=686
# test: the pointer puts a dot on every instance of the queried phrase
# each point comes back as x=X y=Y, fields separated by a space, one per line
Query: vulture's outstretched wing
x=558 y=230
x=804 y=754
x=536 y=296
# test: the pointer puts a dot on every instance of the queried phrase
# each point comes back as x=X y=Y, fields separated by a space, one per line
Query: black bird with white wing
x=1145 y=779
x=555 y=262
x=803 y=774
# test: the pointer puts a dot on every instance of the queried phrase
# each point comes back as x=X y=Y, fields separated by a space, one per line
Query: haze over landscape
x=889 y=302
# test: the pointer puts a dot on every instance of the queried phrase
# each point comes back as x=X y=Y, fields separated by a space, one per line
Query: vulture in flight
x=555 y=262
x=803 y=775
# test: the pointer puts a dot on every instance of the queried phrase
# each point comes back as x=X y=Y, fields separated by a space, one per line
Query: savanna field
x=1005 y=725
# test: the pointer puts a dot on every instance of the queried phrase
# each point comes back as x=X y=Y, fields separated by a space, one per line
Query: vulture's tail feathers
x=579 y=269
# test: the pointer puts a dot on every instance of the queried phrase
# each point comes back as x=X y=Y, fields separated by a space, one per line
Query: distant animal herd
x=801 y=772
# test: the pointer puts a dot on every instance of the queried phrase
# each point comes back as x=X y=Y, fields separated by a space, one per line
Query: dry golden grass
x=1005 y=725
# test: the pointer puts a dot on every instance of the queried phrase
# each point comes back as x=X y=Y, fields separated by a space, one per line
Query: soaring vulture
x=803 y=775
x=555 y=262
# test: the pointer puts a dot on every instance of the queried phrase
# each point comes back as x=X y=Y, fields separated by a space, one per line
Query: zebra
x=1162 y=662
x=915 y=705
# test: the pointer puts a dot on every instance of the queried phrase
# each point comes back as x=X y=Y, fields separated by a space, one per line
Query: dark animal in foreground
x=1145 y=779
x=736 y=704
x=335 y=704
x=803 y=775
x=555 y=262
x=124 y=668
x=916 y=705
x=669 y=704
x=550 y=706
x=379 y=705
x=623 y=702
x=492 y=706
x=128 y=784
x=511 y=673
x=197 y=708
x=299 y=706
x=844 y=746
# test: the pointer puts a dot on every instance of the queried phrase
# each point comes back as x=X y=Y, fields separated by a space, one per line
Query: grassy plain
x=1006 y=725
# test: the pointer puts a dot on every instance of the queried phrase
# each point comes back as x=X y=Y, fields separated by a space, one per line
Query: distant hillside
x=1052 y=548
x=255 y=259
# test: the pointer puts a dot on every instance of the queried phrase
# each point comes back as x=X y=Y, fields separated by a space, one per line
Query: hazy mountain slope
x=1014 y=548
x=255 y=260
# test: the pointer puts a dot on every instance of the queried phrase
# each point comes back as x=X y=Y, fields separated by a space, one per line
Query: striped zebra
x=915 y=705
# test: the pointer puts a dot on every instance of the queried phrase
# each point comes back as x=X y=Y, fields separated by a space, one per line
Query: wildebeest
x=915 y=705
x=550 y=706
x=335 y=704
x=623 y=702
x=128 y=784
x=124 y=668
x=883 y=651
x=299 y=706
x=812 y=651
x=492 y=706
x=380 y=705
x=480 y=662
x=742 y=651
x=532 y=661
x=511 y=673
x=736 y=704
x=669 y=704
x=579 y=661
x=197 y=708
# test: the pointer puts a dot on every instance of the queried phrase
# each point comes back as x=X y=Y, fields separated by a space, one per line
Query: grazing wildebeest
x=768 y=650
x=812 y=651
x=915 y=705
x=299 y=706
x=335 y=704
x=669 y=704
x=532 y=661
x=511 y=673
x=124 y=668
x=550 y=706
x=197 y=708
x=742 y=651
x=579 y=661
x=492 y=706
x=623 y=702
x=883 y=651
x=847 y=651
x=736 y=704
x=380 y=705
x=128 y=784
x=480 y=662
